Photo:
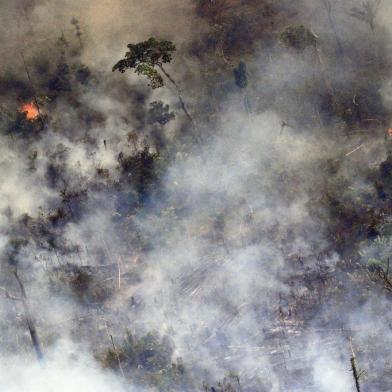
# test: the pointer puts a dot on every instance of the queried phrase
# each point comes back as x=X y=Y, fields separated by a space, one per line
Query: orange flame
x=30 y=110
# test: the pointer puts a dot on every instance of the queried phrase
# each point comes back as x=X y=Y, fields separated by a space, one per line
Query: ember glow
x=30 y=110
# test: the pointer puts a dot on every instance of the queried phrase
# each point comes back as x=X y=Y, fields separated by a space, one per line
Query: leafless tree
x=354 y=368
x=328 y=6
x=367 y=13
x=29 y=319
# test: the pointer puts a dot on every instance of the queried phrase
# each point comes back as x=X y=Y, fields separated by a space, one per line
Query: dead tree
x=29 y=319
x=328 y=6
x=367 y=13
x=33 y=89
x=381 y=272
x=354 y=368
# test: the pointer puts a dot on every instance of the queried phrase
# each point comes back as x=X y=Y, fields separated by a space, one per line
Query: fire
x=389 y=131
x=30 y=110
x=136 y=259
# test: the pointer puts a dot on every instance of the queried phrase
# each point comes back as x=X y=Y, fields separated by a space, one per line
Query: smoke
x=67 y=368
x=161 y=256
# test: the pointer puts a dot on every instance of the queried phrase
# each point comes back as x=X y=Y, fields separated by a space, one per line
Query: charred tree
x=29 y=319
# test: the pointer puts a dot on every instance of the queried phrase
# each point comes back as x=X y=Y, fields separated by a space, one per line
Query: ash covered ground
x=216 y=216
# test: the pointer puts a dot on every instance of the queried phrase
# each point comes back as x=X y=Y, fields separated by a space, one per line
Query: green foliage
x=147 y=360
x=298 y=38
x=376 y=253
x=160 y=113
x=111 y=358
x=144 y=56
x=376 y=257
x=231 y=383
x=374 y=265
x=87 y=285
x=150 y=351
x=152 y=75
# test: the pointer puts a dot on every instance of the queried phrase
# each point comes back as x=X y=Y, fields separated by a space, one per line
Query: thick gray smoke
x=161 y=256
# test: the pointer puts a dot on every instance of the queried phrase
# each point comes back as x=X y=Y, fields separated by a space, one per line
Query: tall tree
x=367 y=12
x=328 y=6
x=145 y=57
x=354 y=368
x=12 y=250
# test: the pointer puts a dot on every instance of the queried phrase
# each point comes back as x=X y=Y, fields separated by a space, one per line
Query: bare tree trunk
x=183 y=106
x=354 y=368
x=322 y=69
x=328 y=6
x=247 y=106
x=117 y=356
x=30 y=323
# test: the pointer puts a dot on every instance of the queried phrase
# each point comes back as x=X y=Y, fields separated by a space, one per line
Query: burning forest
x=196 y=195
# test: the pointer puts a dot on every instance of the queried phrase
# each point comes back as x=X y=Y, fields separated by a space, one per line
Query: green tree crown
x=144 y=56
